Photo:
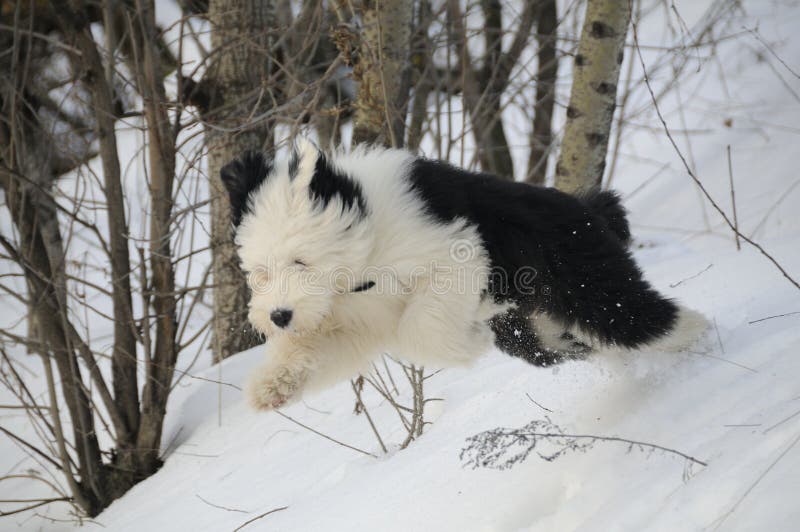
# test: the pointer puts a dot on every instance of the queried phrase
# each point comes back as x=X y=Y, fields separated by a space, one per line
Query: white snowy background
x=732 y=401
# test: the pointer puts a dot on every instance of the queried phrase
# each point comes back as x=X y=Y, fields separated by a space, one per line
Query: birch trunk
x=593 y=98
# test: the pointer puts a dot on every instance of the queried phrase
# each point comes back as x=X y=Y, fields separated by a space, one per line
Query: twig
x=357 y=391
x=323 y=435
x=772 y=317
x=221 y=507
x=733 y=200
x=502 y=448
x=416 y=378
x=386 y=394
x=720 y=521
x=719 y=337
x=698 y=274
x=537 y=404
x=723 y=360
x=782 y=421
x=41 y=502
x=621 y=440
x=689 y=170
x=213 y=381
x=31 y=447
x=168 y=448
x=256 y=518
x=389 y=374
x=317 y=410
x=772 y=51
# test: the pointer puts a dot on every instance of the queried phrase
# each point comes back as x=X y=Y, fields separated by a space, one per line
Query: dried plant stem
x=357 y=391
x=256 y=518
x=733 y=200
x=323 y=435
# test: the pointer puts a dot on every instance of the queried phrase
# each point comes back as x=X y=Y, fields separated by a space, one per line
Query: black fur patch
x=327 y=184
x=363 y=287
x=294 y=164
x=241 y=177
x=515 y=336
x=584 y=273
x=609 y=206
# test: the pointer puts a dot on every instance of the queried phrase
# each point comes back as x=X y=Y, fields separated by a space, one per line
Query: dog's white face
x=304 y=237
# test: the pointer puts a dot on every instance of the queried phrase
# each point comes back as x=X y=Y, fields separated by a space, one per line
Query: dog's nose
x=281 y=317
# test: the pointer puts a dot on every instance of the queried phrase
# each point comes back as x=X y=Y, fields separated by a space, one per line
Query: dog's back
x=556 y=253
x=608 y=205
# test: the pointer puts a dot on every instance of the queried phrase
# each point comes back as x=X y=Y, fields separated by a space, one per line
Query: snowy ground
x=731 y=404
x=733 y=401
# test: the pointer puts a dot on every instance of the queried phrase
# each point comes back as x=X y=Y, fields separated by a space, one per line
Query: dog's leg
x=554 y=336
x=515 y=335
x=689 y=326
x=446 y=329
x=302 y=363
x=282 y=376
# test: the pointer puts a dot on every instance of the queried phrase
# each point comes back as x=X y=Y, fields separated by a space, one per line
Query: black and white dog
x=350 y=255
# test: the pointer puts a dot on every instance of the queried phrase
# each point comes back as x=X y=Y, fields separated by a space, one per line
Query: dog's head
x=303 y=235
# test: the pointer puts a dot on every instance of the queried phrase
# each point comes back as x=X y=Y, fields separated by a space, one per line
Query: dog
x=349 y=255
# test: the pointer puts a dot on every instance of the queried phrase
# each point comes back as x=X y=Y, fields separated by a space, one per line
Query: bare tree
x=53 y=121
x=593 y=98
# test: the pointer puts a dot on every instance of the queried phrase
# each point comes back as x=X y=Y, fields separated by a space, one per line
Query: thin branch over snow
x=503 y=448
x=324 y=435
x=256 y=518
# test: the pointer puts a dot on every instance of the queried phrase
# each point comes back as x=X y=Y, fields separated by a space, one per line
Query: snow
x=729 y=403
x=732 y=401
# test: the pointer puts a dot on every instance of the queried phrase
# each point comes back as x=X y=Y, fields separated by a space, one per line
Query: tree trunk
x=421 y=59
x=123 y=358
x=486 y=113
x=161 y=157
x=547 y=70
x=484 y=87
x=237 y=84
x=593 y=98
x=383 y=72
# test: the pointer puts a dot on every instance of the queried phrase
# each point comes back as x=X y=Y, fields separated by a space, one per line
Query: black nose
x=281 y=317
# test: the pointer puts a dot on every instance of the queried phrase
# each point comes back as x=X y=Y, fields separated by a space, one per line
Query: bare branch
x=323 y=435
x=503 y=448
x=256 y=518
x=692 y=174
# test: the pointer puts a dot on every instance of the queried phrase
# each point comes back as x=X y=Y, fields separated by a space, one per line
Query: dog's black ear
x=241 y=177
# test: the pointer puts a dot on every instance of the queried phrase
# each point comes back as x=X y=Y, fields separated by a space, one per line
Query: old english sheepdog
x=349 y=255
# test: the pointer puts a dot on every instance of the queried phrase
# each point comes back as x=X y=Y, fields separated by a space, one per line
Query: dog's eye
x=298 y=262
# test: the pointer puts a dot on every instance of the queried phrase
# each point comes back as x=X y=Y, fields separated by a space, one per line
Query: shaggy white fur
x=427 y=303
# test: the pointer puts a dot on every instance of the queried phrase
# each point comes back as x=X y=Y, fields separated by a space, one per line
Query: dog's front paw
x=270 y=388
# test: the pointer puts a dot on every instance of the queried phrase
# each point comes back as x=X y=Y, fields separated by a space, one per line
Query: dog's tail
x=608 y=205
